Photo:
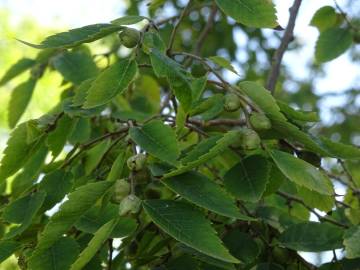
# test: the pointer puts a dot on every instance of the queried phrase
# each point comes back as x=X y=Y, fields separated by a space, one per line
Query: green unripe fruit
x=231 y=103
x=129 y=205
x=281 y=255
x=259 y=121
x=129 y=37
x=198 y=70
x=136 y=163
x=250 y=140
x=121 y=190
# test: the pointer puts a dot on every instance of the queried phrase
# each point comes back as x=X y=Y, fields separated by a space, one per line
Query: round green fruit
x=281 y=255
x=198 y=70
x=250 y=140
x=129 y=205
x=136 y=163
x=231 y=103
x=121 y=190
x=259 y=121
x=129 y=37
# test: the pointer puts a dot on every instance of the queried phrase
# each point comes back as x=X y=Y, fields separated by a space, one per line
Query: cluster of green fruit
x=129 y=203
x=259 y=122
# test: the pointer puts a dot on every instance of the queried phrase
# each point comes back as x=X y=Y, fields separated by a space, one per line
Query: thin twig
x=177 y=25
x=111 y=249
x=69 y=159
x=290 y=197
x=278 y=56
x=344 y=15
x=206 y=30
x=217 y=122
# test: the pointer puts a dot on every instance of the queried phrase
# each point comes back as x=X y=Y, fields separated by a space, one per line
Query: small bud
x=232 y=103
x=136 y=163
x=259 y=121
x=121 y=190
x=129 y=37
x=129 y=205
x=250 y=140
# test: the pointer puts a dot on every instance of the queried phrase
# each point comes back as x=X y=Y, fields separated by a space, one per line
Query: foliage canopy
x=152 y=145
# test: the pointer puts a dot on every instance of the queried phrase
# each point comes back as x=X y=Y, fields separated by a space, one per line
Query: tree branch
x=321 y=218
x=206 y=30
x=278 y=56
x=177 y=25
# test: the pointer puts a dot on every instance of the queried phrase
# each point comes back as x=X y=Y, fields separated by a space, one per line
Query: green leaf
x=324 y=18
x=75 y=37
x=202 y=191
x=117 y=167
x=224 y=63
x=276 y=179
x=297 y=114
x=22 y=212
x=19 y=67
x=152 y=40
x=316 y=200
x=59 y=256
x=262 y=98
x=95 y=155
x=254 y=13
x=81 y=92
x=57 y=138
x=81 y=132
x=16 y=153
x=204 y=151
x=177 y=76
x=79 y=201
x=332 y=43
x=31 y=170
x=128 y=20
x=352 y=243
x=302 y=173
x=208 y=108
x=56 y=185
x=187 y=225
x=75 y=66
x=110 y=83
x=7 y=248
x=94 y=245
x=20 y=98
x=247 y=180
x=198 y=87
x=312 y=237
x=242 y=245
x=339 y=150
x=158 y=140
x=96 y=217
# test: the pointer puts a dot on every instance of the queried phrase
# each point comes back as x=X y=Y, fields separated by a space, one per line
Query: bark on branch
x=279 y=54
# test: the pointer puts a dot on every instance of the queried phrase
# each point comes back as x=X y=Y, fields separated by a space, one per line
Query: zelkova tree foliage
x=155 y=147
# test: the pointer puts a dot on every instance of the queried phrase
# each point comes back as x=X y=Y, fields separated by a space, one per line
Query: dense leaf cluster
x=157 y=151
